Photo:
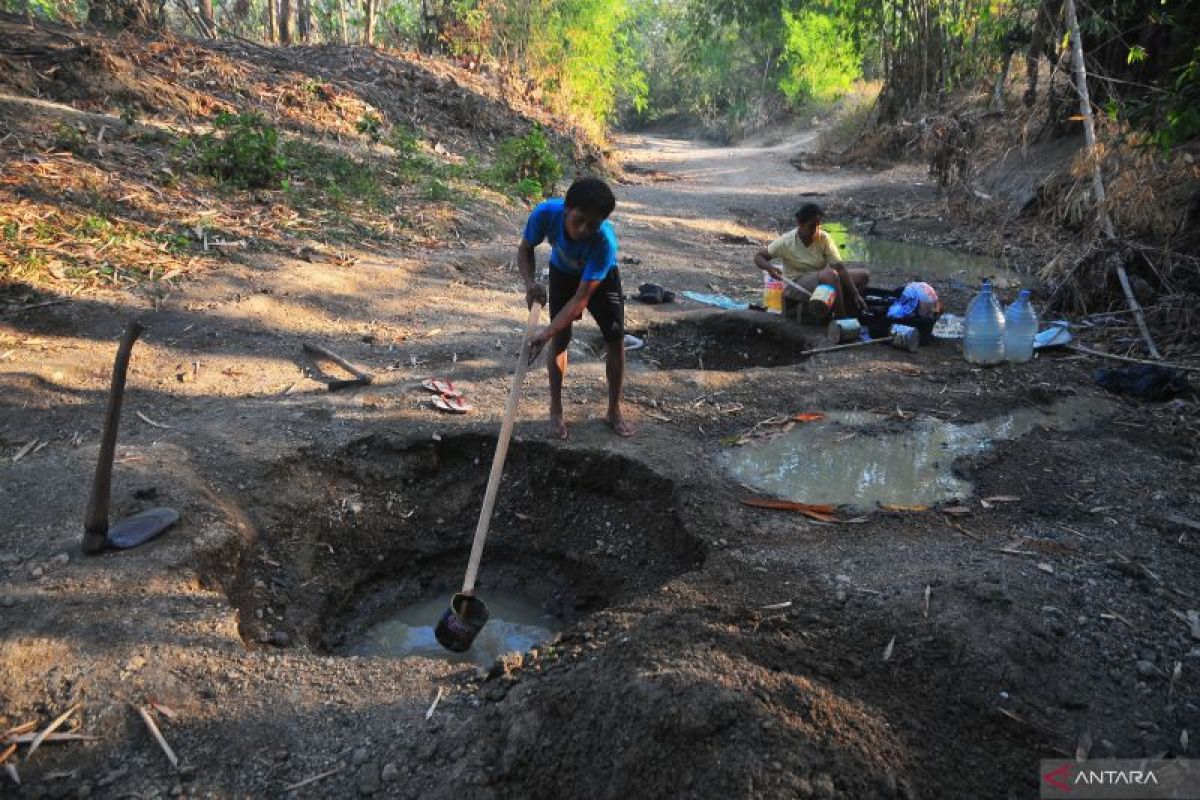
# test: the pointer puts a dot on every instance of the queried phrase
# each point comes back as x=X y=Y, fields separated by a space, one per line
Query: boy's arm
x=526 y=265
x=845 y=280
x=762 y=260
x=834 y=260
x=572 y=310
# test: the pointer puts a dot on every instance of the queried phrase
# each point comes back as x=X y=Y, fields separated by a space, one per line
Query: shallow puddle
x=864 y=460
x=920 y=262
x=515 y=625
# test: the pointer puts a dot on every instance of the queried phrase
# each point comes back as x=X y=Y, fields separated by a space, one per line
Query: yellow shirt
x=799 y=260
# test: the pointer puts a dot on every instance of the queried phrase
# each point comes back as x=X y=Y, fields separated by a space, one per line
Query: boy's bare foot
x=619 y=425
x=557 y=429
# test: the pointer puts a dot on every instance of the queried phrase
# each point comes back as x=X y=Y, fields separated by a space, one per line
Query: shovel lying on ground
x=141 y=527
x=467 y=614
x=360 y=378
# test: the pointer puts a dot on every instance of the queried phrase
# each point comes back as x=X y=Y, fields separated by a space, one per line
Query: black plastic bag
x=1147 y=382
x=653 y=294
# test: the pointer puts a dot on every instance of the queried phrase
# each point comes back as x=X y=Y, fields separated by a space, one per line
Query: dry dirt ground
x=1012 y=632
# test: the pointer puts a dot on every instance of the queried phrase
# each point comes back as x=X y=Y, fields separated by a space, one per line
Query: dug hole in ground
x=704 y=648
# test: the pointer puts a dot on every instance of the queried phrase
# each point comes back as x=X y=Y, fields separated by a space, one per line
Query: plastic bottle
x=772 y=293
x=983 y=329
x=1020 y=326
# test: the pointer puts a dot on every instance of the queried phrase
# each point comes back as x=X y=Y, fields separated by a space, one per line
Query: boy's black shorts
x=607 y=305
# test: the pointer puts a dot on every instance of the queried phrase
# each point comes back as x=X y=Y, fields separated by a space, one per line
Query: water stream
x=863 y=460
x=903 y=261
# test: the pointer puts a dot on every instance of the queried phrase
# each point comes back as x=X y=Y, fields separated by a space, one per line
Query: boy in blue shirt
x=583 y=275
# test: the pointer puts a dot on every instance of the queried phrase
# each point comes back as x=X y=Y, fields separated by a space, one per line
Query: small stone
x=8 y=601
x=1146 y=669
x=776 y=765
x=390 y=773
x=37 y=572
x=359 y=757
x=84 y=791
x=61 y=559
x=281 y=638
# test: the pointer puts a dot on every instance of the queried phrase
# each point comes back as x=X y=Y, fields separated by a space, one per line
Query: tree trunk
x=369 y=24
x=341 y=7
x=1089 y=138
x=269 y=21
x=285 y=21
x=304 y=20
x=206 y=17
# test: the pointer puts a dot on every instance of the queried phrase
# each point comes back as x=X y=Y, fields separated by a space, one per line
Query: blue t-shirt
x=591 y=259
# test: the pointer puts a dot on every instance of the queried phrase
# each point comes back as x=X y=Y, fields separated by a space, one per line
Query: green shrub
x=530 y=189
x=72 y=138
x=526 y=162
x=439 y=191
x=405 y=142
x=327 y=174
x=246 y=153
x=370 y=126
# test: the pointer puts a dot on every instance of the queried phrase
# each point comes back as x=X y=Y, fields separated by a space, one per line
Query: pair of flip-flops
x=449 y=398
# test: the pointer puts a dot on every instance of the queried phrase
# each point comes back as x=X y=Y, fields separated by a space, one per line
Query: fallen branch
x=1136 y=308
x=313 y=779
x=1089 y=138
x=24 y=727
x=37 y=740
x=1128 y=359
x=361 y=378
x=27 y=738
x=964 y=531
x=433 y=706
x=149 y=421
x=32 y=306
x=818 y=511
x=158 y=737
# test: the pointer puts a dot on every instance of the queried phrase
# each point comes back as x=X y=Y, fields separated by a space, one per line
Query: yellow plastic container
x=772 y=294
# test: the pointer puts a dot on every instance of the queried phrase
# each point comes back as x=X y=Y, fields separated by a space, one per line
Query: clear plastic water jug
x=983 y=328
x=1020 y=326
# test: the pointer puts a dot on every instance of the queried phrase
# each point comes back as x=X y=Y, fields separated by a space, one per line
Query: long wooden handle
x=493 y=485
x=789 y=282
x=863 y=343
x=95 y=524
x=324 y=352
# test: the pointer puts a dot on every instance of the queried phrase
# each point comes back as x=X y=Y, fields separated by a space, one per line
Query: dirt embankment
x=708 y=649
x=118 y=170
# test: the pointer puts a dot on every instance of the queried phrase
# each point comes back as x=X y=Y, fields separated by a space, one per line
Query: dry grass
x=99 y=186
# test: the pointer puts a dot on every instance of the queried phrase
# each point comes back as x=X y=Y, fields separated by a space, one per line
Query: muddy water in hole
x=848 y=459
x=515 y=625
x=901 y=261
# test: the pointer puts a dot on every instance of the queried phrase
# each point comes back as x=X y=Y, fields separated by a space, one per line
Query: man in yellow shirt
x=810 y=258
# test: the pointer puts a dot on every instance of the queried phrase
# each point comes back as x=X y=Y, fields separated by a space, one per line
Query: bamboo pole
x=1089 y=138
